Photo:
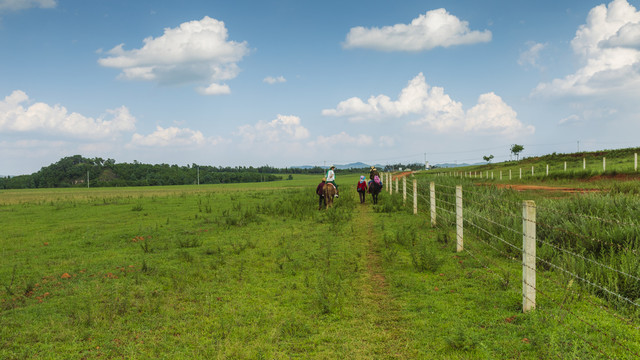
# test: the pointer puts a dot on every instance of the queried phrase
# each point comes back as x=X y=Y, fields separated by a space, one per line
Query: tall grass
x=593 y=236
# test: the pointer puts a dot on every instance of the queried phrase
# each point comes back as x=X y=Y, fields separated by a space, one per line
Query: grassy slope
x=619 y=163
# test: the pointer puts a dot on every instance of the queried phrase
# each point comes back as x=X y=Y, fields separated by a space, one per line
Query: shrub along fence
x=592 y=240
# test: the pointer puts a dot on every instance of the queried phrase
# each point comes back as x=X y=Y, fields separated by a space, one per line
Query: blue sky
x=286 y=83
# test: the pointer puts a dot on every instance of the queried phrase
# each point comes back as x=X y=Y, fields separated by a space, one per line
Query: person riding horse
x=331 y=179
x=375 y=186
x=373 y=172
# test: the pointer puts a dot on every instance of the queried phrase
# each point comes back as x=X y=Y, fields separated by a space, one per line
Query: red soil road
x=401 y=175
x=520 y=187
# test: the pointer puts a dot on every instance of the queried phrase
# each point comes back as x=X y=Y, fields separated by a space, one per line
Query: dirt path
x=521 y=187
x=383 y=315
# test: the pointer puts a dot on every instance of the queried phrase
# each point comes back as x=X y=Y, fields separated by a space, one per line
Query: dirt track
x=520 y=187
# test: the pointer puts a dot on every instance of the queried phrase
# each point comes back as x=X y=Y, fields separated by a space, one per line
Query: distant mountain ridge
x=361 y=165
x=356 y=165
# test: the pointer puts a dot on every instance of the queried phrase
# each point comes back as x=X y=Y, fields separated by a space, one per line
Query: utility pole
x=578 y=145
x=198 y=175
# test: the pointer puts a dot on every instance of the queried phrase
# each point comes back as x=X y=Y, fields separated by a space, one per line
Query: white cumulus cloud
x=342 y=138
x=430 y=107
x=274 y=80
x=174 y=137
x=387 y=141
x=433 y=29
x=608 y=46
x=571 y=119
x=493 y=115
x=215 y=89
x=196 y=51
x=285 y=128
x=26 y=4
x=531 y=56
x=416 y=98
x=16 y=115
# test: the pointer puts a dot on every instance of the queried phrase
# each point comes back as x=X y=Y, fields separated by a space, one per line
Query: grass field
x=255 y=271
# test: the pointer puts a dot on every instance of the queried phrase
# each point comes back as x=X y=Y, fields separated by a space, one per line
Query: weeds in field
x=327 y=292
x=146 y=247
x=461 y=339
x=423 y=258
x=185 y=256
x=8 y=287
x=185 y=242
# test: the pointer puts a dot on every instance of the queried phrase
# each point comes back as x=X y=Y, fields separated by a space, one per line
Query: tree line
x=75 y=171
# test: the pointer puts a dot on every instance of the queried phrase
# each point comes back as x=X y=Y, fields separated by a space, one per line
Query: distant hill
x=356 y=165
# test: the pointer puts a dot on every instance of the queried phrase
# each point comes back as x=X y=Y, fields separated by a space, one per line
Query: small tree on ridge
x=516 y=150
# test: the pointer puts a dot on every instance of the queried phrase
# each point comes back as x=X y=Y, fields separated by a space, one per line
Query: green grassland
x=256 y=271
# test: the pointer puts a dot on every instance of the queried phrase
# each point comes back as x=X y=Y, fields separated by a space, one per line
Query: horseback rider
x=373 y=172
x=375 y=179
x=331 y=179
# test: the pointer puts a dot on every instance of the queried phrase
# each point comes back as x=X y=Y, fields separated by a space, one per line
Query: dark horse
x=374 y=190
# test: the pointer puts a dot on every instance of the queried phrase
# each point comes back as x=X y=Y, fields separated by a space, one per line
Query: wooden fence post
x=415 y=197
x=531 y=170
x=459 y=219
x=604 y=164
x=509 y=174
x=565 y=166
x=584 y=163
x=397 y=190
x=520 y=173
x=635 y=161
x=432 y=200
x=390 y=184
x=547 y=169
x=528 y=255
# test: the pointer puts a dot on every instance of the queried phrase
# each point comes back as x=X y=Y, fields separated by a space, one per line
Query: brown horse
x=329 y=192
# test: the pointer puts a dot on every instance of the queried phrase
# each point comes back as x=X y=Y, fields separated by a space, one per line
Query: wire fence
x=581 y=250
x=559 y=168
